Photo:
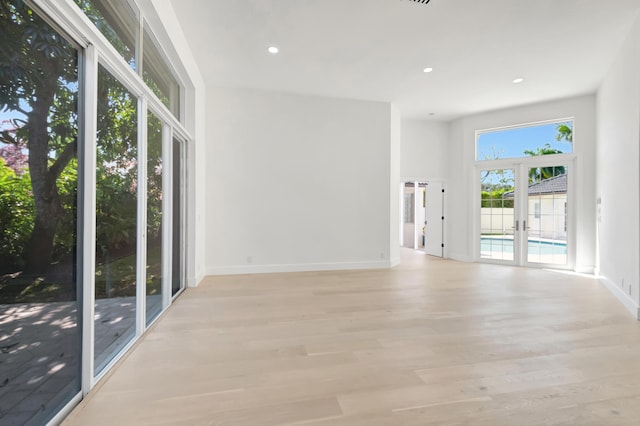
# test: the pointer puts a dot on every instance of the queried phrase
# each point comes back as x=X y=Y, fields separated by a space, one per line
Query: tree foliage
x=39 y=166
x=496 y=198
x=117 y=171
x=16 y=217
x=565 y=132
x=15 y=158
x=38 y=80
x=537 y=174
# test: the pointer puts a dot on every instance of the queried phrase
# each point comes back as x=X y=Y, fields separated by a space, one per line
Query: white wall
x=456 y=205
x=424 y=150
x=618 y=180
x=395 y=150
x=298 y=182
x=459 y=197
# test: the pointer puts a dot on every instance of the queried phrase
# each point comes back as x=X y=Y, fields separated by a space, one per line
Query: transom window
x=541 y=139
x=120 y=22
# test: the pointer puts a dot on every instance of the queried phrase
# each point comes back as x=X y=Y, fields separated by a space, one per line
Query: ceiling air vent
x=421 y=1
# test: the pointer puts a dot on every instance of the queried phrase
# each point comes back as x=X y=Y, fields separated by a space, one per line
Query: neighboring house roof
x=554 y=185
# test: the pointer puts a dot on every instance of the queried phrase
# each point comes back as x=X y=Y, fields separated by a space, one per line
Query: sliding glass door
x=92 y=197
x=115 y=287
x=178 y=274
x=40 y=325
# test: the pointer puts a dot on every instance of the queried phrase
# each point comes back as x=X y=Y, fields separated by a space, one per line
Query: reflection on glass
x=497 y=215
x=154 y=217
x=547 y=215
x=116 y=219
x=39 y=322
x=158 y=76
x=177 y=265
x=117 y=21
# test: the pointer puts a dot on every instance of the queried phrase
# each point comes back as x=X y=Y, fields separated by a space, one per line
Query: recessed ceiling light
x=273 y=49
x=518 y=80
x=428 y=69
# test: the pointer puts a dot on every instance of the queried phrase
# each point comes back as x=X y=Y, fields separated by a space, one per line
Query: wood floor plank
x=431 y=342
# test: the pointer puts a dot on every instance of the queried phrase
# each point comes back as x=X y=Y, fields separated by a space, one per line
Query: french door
x=524 y=213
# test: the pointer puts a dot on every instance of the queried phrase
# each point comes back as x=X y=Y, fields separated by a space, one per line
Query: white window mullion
x=139 y=41
x=87 y=148
x=184 y=221
x=521 y=211
x=141 y=273
x=57 y=14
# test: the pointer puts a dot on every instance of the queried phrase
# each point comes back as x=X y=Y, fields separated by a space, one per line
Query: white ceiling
x=377 y=49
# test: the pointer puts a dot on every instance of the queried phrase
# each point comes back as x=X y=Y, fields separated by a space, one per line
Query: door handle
x=517 y=228
x=524 y=225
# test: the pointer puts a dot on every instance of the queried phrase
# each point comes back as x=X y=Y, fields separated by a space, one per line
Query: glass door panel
x=408 y=213
x=116 y=220
x=40 y=328
x=497 y=215
x=177 y=251
x=154 y=218
x=546 y=226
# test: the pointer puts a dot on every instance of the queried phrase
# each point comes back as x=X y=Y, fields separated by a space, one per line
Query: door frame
x=417 y=205
x=521 y=167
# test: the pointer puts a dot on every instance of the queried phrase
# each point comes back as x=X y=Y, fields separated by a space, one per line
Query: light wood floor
x=432 y=342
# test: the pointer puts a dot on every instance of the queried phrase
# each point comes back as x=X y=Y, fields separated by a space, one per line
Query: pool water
x=488 y=244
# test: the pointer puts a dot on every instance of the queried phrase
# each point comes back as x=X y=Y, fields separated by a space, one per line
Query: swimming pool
x=535 y=247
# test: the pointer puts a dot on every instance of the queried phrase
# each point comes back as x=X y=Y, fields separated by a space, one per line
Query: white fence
x=496 y=220
x=547 y=218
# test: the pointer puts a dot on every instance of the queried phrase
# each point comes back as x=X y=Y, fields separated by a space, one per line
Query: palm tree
x=565 y=132
x=537 y=174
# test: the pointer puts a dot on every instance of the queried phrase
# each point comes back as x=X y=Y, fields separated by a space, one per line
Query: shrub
x=17 y=214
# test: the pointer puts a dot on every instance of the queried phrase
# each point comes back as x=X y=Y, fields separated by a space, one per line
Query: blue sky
x=9 y=114
x=511 y=143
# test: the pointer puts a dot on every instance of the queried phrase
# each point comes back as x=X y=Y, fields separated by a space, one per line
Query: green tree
x=565 y=132
x=16 y=217
x=116 y=173
x=537 y=174
x=38 y=78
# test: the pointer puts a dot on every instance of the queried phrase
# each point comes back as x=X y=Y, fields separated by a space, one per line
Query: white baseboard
x=586 y=269
x=631 y=305
x=460 y=257
x=394 y=262
x=301 y=267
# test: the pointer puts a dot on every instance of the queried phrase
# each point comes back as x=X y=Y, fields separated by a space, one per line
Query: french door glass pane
x=116 y=219
x=154 y=217
x=547 y=215
x=497 y=218
x=39 y=312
